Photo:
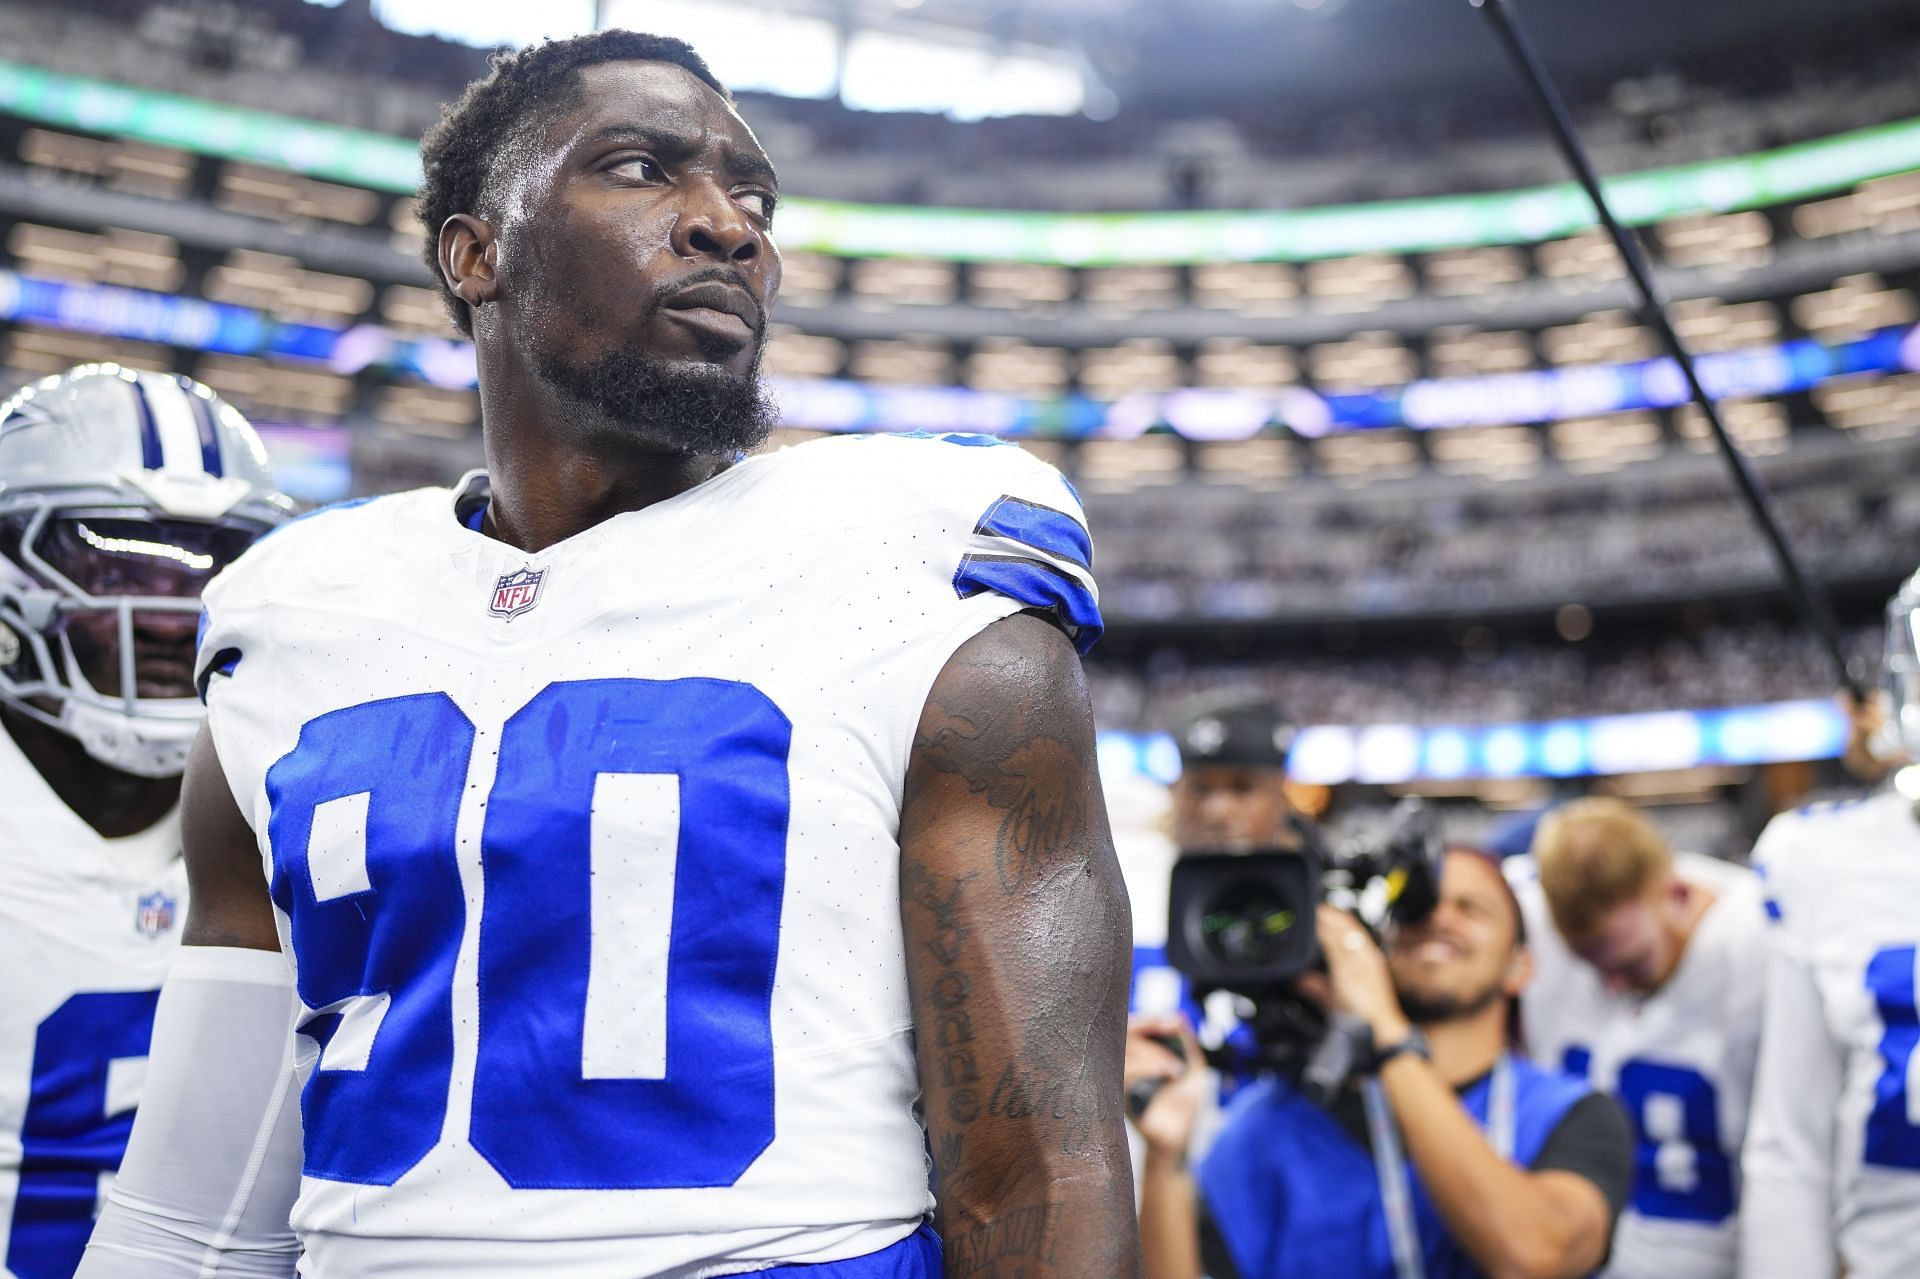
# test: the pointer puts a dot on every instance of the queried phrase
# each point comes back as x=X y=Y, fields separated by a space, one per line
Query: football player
x=121 y=494
x=1648 y=982
x=644 y=841
x=1832 y=1160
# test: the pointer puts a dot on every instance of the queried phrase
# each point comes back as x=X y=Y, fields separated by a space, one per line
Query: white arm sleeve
x=213 y=1165
x=1786 y=1206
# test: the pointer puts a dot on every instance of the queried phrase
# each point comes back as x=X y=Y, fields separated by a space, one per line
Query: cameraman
x=1455 y=1159
x=1231 y=796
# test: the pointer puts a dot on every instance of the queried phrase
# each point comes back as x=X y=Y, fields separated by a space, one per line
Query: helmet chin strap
x=145 y=747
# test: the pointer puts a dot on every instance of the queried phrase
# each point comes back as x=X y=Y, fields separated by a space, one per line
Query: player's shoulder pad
x=1007 y=523
x=1802 y=849
x=323 y=531
x=279 y=565
x=946 y=472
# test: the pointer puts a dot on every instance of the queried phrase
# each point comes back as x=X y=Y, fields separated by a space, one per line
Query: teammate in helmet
x=1832 y=1158
x=121 y=495
x=665 y=851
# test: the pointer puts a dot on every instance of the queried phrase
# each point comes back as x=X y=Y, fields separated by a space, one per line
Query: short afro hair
x=458 y=152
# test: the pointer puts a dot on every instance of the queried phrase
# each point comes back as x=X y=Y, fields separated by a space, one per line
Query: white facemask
x=144 y=745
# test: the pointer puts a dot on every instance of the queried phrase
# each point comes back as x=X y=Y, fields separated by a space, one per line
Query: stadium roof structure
x=387 y=163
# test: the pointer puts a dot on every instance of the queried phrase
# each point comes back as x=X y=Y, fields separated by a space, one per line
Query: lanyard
x=1390 y=1165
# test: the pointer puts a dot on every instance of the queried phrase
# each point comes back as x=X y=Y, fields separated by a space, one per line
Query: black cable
x=1805 y=593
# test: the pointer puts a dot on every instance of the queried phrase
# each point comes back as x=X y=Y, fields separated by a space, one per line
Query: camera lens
x=1247 y=925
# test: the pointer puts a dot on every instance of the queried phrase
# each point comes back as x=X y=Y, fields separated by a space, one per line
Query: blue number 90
x=378 y=913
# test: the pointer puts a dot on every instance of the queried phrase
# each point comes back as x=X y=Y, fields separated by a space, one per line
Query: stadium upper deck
x=1483 y=340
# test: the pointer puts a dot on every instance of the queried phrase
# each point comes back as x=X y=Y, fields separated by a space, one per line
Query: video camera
x=1244 y=923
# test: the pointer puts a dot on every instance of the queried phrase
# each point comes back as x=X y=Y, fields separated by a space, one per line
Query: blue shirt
x=1293 y=1194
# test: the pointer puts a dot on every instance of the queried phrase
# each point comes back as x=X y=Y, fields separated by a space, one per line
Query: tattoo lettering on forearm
x=1042 y=1094
x=996 y=1249
x=952 y=1146
x=953 y=1028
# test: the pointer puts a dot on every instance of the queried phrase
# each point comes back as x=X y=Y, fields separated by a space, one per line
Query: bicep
x=1015 y=919
x=1585 y=1217
x=228 y=903
x=1585 y=1169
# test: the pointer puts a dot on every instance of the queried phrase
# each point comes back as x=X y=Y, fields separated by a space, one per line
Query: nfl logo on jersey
x=155 y=914
x=516 y=592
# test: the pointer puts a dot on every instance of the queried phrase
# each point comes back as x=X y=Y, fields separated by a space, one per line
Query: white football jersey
x=87 y=926
x=1680 y=1062
x=587 y=860
x=1833 y=1160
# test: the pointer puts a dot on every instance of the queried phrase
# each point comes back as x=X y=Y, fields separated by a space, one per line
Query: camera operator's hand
x=1167 y=1125
x=1358 y=977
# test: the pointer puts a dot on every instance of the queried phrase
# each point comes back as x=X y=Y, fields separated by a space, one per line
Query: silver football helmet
x=1903 y=665
x=122 y=493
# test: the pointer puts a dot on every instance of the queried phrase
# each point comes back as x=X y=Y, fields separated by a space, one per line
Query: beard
x=685 y=408
x=1426 y=1008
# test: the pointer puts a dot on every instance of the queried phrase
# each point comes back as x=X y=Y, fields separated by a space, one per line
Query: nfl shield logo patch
x=155 y=914
x=516 y=593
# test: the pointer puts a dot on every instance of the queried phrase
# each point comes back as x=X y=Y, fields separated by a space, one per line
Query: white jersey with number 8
x=1679 y=1061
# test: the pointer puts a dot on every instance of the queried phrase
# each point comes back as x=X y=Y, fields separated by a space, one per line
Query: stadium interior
x=1356 y=394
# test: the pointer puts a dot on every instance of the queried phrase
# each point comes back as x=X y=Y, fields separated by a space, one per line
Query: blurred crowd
x=1649 y=536
x=1484 y=681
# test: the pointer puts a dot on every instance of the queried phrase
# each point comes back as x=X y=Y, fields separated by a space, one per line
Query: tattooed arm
x=1017 y=941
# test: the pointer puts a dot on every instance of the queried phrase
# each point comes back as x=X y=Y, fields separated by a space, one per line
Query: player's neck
x=1465 y=1048
x=1699 y=899
x=114 y=803
x=537 y=504
x=550 y=479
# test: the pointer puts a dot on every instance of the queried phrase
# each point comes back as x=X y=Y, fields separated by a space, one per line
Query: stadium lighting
x=766 y=51
x=485 y=23
x=1907 y=782
x=796 y=55
x=885 y=71
x=1389 y=754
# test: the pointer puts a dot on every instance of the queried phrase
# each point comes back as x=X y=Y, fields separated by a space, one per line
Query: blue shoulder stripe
x=1040 y=527
x=1037 y=585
